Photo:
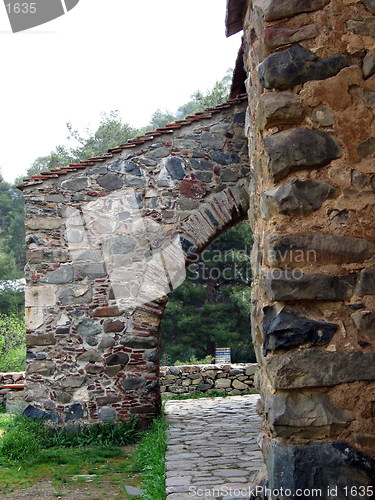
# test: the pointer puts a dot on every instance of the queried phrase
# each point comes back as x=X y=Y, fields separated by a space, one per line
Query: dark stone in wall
x=368 y=65
x=94 y=270
x=188 y=246
x=364 y=26
x=285 y=286
x=61 y=275
x=318 y=466
x=300 y=249
x=365 y=322
x=367 y=148
x=119 y=358
x=75 y=412
x=370 y=4
x=133 y=383
x=125 y=167
x=67 y=297
x=225 y=158
x=297 y=149
x=316 y=368
x=201 y=164
x=240 y=118
x=278 y=108
x=204 y=176
x=110 y=182
x=75 y=184
x=295 y=197
x=175 y=167
x=138 y=342
x=287 y=328
x=278 y=9
x=211 y=217
x=32 y=412
x=87 y=327
x=295 y=66
x=366 y=282
x=290 y=413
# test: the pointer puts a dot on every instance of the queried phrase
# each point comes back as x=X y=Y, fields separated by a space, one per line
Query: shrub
x=195 y=361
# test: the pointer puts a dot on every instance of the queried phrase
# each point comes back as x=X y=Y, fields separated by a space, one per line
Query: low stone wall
x=234 y=379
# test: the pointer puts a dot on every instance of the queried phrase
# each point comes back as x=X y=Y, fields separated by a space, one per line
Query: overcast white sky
x=134 y=56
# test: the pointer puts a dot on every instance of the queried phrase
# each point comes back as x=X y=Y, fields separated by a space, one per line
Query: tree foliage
x=212 y=308
x=12 y=343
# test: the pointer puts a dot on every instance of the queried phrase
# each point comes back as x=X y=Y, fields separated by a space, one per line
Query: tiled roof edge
x=148 y=136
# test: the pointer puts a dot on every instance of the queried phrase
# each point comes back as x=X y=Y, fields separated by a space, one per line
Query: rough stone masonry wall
x=311 y=130
x=106 y=241
x=9 y=378
x=233 y=379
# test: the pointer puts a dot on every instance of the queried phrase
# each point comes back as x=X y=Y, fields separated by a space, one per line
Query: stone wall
x=311 y=130
x=107 y=240
x=234 y=379
x=9 y=396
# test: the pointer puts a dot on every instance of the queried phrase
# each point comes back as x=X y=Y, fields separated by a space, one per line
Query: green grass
x=150 y=460
x=30 y=451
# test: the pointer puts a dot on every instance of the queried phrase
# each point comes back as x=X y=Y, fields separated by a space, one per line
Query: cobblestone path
x=212 y=448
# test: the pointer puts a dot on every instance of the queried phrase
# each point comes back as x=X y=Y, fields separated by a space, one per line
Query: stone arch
x=107 y=240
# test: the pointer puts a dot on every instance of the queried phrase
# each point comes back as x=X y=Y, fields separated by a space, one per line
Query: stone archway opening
x=211 y=308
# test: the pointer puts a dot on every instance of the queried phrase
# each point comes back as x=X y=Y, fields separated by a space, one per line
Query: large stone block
x=278 y=108
x=125 y=167
x=291 y=413
x=286 y=286
x=316 y=368
x=276 y=36
x=364 y=26
x=295 y=197
x=40 y=339
x=75 y=295
x=318 y=469
x=300 y=249
x=61 y=275
x=133 y=383
x=175 y=167
x=110 y=181
x=278 y=9
x=298 y=149
x=285 y=328
x=38 y=414
x=295 y=66
x=370 y=4
x=43 y=223
x=39 y=296
x=138 y=342
x=86 y=327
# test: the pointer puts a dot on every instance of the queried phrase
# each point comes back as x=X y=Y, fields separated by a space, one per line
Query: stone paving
x=212 y=448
